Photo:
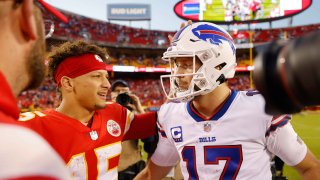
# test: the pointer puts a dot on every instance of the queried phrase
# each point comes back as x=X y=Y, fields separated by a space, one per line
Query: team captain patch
x=113 y=128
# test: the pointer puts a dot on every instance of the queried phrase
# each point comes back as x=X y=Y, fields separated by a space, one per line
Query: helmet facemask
x=177 y=91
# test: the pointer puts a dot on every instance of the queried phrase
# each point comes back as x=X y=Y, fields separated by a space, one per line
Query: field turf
x=307 y=125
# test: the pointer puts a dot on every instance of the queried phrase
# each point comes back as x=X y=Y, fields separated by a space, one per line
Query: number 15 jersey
x=237 y=142
x=91 y=152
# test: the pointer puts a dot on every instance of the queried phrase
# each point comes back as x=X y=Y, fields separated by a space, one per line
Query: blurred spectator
x=130 y=163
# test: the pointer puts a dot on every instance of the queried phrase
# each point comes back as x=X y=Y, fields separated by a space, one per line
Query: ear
x=67 y=83
x=28 y=20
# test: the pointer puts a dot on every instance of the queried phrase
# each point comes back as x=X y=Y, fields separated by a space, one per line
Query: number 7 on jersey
x=232 y=154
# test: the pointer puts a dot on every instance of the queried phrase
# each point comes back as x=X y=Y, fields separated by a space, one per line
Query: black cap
x=119 y=82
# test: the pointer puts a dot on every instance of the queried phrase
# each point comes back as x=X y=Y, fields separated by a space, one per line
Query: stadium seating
x=80 y=27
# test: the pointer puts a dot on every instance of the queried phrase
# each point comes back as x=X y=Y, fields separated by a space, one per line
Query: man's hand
x=182 y=25
x=136 y=105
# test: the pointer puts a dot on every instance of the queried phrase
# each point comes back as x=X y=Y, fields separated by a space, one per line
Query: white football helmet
x=213 y=46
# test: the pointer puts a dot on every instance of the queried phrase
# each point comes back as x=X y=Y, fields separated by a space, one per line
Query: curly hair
x=70 y=49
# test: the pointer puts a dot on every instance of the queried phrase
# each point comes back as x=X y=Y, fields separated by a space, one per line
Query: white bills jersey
x=237 y=142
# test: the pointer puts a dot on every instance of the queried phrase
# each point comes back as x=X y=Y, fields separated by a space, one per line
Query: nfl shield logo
x=207 y=127
x=94 y=135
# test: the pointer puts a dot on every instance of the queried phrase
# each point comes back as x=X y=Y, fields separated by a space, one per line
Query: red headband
x=78 y=65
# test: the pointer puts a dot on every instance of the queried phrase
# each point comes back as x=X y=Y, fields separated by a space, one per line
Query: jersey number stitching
x=232 y=154
x=78 y=167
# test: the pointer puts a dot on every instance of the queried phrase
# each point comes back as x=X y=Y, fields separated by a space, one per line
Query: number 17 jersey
x=237 y=142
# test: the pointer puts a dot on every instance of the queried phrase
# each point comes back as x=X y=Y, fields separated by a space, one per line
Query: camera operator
x=287 y=74
x=131 y=162
x=121 y=94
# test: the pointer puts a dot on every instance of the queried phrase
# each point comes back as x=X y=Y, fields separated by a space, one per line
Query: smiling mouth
x=103 y=96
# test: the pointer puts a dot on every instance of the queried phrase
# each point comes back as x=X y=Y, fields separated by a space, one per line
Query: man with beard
x=23 y=153
x=85 y=129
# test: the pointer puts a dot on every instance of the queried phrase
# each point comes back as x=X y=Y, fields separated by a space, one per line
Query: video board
x=232 y=11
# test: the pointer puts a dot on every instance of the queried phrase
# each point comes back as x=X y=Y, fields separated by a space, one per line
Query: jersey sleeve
x=139 y=126
x=33 y=121
x=284 y=142
x=26 y=155
x=166 y=153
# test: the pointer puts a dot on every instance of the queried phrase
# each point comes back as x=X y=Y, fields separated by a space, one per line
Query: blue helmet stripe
x=176 y=36
x=213 y=35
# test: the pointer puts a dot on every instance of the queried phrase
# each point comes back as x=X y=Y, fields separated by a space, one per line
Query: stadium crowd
x=137 y=60
x=80 y=27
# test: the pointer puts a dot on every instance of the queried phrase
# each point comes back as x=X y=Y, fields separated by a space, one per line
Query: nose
x=180 y=71
x=106 y=83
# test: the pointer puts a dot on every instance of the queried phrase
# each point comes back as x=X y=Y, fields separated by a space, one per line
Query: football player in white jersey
x=216 y=132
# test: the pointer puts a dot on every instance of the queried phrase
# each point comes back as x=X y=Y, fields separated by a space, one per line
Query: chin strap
x=221 y=79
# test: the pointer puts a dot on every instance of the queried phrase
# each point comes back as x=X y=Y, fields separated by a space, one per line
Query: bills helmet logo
x=213 y=35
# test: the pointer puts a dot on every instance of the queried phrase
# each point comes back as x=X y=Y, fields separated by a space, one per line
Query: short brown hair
x=70 y=49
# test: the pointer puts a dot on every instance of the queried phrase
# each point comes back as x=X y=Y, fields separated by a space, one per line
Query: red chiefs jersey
x=24 y=155
x=91 y=152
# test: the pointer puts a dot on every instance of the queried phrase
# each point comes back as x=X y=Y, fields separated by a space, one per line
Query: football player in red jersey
x=85 y=129
x=23 y=153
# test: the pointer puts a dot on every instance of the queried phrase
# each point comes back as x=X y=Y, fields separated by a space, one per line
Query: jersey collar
x=74 y=122
x=219 y=112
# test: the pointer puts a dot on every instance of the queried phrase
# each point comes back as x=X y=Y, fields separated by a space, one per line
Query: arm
x=142 y=126
x=163 y=159
x=285 y=143
x=309 y=167
x=153 y=171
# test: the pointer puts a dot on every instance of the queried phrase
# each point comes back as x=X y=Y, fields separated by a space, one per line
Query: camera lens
x=124 y=99
x=268 y=82
x=288 y=75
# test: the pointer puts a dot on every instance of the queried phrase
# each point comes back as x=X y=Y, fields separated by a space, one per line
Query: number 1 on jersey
x=232 y=154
